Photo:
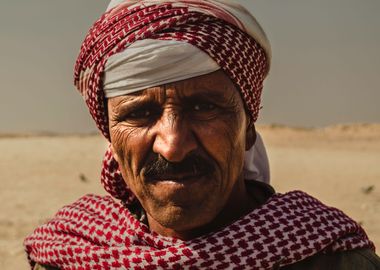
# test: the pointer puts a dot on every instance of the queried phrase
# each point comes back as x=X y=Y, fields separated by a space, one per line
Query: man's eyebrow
x=134 y=100
x=136 y=96
x=216 y=96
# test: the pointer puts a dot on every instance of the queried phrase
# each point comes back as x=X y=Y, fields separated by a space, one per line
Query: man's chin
x=185 y=193
x=180 y=219
x=183 y=204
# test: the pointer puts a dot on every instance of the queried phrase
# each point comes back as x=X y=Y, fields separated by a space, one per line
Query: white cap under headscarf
x=149 y=62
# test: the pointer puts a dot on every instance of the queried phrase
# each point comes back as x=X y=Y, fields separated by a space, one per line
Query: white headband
x=148 y=63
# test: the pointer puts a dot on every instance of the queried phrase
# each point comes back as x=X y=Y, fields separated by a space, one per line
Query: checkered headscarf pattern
x=98 y=233
x=236 y=52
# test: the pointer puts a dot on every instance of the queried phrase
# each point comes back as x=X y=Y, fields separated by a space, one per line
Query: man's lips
x=176 y=177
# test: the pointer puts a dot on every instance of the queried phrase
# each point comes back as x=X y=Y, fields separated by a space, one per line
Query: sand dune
x=38 y=174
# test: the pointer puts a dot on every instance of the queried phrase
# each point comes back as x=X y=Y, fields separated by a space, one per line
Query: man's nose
x=174 y=138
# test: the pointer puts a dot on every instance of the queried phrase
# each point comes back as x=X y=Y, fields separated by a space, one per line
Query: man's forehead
x=214 y=85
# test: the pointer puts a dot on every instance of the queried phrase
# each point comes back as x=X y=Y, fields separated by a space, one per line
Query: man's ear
x=250 y=138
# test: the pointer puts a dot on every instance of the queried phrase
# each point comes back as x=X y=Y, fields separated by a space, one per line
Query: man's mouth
x=178 y=177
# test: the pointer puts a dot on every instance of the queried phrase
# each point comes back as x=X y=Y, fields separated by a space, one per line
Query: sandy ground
x=38 y=174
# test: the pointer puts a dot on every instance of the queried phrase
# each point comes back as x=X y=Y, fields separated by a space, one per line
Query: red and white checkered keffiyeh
x=99 y=233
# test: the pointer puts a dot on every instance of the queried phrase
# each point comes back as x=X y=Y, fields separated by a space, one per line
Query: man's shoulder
x=364 y=259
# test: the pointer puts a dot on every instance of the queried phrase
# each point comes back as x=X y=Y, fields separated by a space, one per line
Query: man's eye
x=143 y=113
x=204 y=107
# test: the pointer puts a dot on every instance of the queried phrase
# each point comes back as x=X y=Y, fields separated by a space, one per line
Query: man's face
x=180 y=147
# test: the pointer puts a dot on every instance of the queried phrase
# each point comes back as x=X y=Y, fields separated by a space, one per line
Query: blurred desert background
x=39 y=174
x=322 y=91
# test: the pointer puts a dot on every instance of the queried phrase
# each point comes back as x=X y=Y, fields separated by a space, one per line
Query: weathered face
x=181 y=147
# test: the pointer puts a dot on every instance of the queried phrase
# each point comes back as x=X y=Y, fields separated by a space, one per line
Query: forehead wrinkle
x=158 y=93
x=203 y=88
x=154 y=93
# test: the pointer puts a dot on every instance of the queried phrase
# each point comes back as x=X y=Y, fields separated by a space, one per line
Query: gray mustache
x=193 y=164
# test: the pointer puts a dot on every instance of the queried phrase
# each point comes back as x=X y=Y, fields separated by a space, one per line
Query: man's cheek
x=121 y=137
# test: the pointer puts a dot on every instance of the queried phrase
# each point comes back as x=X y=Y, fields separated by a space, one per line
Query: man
x=175 y=87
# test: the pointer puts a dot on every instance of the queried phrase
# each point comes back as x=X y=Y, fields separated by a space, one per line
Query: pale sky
x=325 y=69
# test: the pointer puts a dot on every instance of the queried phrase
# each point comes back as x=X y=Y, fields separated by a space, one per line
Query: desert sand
x=340 y=165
